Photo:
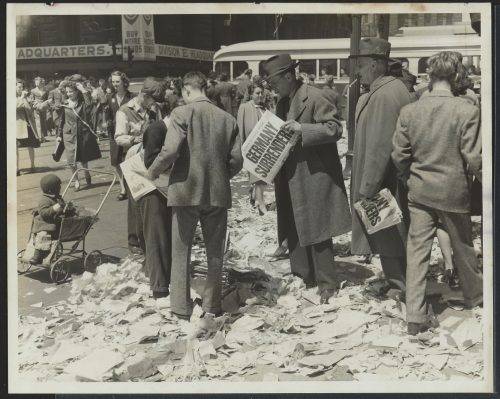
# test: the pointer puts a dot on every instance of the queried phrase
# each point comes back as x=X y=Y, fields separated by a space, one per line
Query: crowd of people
x=421 y=142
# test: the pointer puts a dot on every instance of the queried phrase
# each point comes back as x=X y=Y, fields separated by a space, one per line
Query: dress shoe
x=325 y=295
x=161 y=294
x=121 y=197
x=416 y=328
x=88 y=180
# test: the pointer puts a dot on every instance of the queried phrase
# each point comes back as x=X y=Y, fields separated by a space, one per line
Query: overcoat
x=312 y=171
x=80 y=143
x=372 y=169
x=224 y=95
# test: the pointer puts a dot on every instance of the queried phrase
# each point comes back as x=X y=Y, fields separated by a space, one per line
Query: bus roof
x=401 y=46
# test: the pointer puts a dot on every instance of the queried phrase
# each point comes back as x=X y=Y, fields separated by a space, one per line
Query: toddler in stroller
x=47 y=217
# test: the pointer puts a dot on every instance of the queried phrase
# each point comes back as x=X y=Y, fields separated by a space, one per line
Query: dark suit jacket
x=312 y=171
x=202 y=142
x=225 y=95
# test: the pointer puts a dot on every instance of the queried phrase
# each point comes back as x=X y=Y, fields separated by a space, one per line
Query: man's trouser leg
x=184 y=221
x=421 y=234
x=133 y=226
x=394 y=268
x=323 y=262
x=459 y=228
x=157 y=228
x=213 y=226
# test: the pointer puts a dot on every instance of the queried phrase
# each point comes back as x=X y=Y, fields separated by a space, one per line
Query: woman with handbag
x=80 y=141
x=26 y=131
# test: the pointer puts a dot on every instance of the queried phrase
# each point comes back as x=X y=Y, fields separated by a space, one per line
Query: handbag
x=58 y=150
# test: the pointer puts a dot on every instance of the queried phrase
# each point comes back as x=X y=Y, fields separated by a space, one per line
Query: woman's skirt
x=30 y=141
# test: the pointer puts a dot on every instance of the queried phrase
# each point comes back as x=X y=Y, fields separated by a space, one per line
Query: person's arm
x=470 y=142
x=48 y=211
x=176 y=134
x=401 y=153
x=384 y=113
x=326 y=127
x=122 y=130
x=235 y=158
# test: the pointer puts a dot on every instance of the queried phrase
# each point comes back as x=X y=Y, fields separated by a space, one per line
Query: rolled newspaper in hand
x=380 y=212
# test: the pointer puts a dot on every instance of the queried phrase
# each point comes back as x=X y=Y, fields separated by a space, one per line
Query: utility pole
x=352 y=92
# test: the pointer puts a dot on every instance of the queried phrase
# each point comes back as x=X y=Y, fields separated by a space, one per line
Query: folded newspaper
x=380 y=212
x=267 y=147
x=134 y=170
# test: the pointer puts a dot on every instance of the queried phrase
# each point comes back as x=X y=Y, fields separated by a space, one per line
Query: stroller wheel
x=59 y=271
x=23 y=265
x=92 y=260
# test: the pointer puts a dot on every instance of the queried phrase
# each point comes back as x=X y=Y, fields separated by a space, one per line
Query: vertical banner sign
x=138 y=33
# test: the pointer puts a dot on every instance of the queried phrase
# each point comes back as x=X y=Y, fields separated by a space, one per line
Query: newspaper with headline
x=267 y=147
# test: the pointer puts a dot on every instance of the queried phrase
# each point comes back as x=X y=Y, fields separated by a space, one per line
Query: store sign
x=91 y=50
x=163 y=50
x=138 y=34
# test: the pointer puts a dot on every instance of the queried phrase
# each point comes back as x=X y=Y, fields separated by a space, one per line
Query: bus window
x=422 y=65
x=307 y=66
x=327 y=67
x=222 y=67
x=344 y=68
x=239 y=67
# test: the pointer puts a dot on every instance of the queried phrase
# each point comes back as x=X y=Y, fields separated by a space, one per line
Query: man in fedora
x=372 y=170
x=311 y=197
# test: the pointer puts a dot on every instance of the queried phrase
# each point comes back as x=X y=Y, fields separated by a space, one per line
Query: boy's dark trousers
x=213 y=222
x=156 y=220
x=134 y=223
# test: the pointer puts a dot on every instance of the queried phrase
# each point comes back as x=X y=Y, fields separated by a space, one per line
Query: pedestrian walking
x=80 y=141
x=40 y=104
x=436 y=142
x=372 y=170
x=311 y=198
x=331 y=94
x=204 y=143
x=26 y=132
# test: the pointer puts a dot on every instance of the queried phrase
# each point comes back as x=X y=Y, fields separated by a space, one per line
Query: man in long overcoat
x=376 y=115
x=311 y=197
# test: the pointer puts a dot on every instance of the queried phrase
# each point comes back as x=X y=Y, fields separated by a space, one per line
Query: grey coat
x=437 y=142
x=372 y=169
x=313 y=172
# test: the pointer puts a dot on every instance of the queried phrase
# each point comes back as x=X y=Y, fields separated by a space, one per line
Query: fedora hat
x=374 y=47
x=278 y=64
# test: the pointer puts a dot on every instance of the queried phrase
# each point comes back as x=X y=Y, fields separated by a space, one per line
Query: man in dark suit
x=331 y=94
x=225 y=94
x=311 y=198
x=199 y=188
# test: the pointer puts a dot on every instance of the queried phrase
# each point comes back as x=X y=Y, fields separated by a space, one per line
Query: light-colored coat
x=372 y=168
x=312 y=171
x=203 y=143
x=437 y=140
x=24 y=114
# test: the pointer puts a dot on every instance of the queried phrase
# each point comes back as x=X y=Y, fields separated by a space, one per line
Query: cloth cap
x=374 y=47
x=278 y=64
x=50 y=184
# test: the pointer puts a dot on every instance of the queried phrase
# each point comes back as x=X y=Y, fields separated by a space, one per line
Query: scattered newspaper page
x=267 y=147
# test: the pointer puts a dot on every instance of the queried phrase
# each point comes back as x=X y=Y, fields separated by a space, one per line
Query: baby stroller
x=73 y=230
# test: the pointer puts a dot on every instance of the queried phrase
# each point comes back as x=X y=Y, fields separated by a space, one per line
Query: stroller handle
x=97 y=172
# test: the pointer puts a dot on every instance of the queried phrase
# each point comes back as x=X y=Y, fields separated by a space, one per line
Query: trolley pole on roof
x=352 y=92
